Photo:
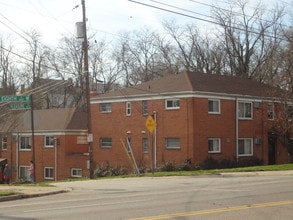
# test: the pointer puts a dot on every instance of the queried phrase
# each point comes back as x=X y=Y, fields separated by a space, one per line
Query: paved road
x=204 y=197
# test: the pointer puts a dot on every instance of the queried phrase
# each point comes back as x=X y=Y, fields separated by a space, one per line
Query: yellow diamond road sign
x=150 y=124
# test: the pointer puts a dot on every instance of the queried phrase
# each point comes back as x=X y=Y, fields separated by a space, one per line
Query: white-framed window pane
x=214 y=145
x=49 y=141
x=172 y=143
x=145 y=145
x=245 y=110
x=128 y=108
x=105 y=142
x=145 y=107
x=25 y=143
x=4 y=143
x=76 y=172
x=271 y=111
x=172 y=104
x=245 y=147
x=214 y=106
x=23 y=173
x=49 y=173
x=105 y=107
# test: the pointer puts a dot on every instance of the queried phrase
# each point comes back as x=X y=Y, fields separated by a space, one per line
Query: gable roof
x=192 y=82
x=61 y=119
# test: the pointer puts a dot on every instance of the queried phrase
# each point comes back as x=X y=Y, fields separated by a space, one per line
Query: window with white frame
x=245 y=147
x=172 y=104
x=172 y=143
x=4 y=143
x=145 y=145
x=25 y=143
x=49 y=141
x=105 y=107
x=214 y=145
x=23 y=174
x=76 y=172
x=105 y=142
x=145 y=107
x=49 y=173
x=214 y=106
x=271 y=111
x=244 y=110
x=128 y=108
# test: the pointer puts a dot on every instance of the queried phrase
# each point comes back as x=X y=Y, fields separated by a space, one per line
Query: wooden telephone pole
x=87 y=87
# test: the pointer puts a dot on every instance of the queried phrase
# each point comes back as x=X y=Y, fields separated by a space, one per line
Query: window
x=214 y=106
x=214 y=145
x=23 y=173
x=4 y=143
x=172 y=143
x=105 y=142
x=49 y=141
x=25 y=143
x=172 y=104
x=145 y=145
x=105 y=107
x=145 y=107
x=245 y=110
x=271 y=111
x=75 y=172
x=128 y=108
x=49 y=173
x=245 y=147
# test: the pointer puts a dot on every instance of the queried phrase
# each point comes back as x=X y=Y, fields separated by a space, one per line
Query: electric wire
x=206 y=20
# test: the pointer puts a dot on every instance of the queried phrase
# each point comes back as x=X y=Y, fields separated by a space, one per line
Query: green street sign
x=19 y=106
x=17 y=98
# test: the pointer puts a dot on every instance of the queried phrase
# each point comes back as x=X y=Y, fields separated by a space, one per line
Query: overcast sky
x=55 y=18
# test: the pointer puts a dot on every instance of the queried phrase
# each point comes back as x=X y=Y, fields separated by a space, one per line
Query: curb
x=25 y=196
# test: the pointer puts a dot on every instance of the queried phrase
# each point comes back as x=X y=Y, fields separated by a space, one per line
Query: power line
x=205 y=20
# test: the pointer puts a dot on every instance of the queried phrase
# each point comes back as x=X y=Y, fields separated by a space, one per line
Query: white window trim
x=251 y=145
x=128 y=108
x=4 y=143
x=107 y=110
x=48 y=178
x=45 y=144
x=251 y=109
x=219 y=104
x=24 y=149
x=273 y=111
x=173 y=107
x=213 y=151
x=75 y=169
x=104 y=146
x=172 y=148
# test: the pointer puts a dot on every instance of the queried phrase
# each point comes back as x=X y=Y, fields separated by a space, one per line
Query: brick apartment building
x=60 y=148
x=198 y=116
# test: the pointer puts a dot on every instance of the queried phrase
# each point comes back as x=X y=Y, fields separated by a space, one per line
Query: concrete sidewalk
x=30 y=191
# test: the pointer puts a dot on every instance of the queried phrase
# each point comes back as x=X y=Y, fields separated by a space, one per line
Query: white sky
x=55 y=18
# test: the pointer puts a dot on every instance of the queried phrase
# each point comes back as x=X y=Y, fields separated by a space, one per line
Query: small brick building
x=197 y=116
x=59 y=149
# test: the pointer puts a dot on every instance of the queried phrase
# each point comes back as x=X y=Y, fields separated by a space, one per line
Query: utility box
x=79 y=30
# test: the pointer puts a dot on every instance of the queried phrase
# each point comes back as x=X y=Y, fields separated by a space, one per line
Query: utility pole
x=87 y=92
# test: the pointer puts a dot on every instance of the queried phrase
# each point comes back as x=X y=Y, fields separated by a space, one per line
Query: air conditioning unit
x=257 y=140
x=257 y=104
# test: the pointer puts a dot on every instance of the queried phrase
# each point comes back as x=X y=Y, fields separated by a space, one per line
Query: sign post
x=151 y=124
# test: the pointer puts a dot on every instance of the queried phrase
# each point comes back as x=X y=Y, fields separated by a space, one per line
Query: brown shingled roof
x=197 y=82
x=60 y=119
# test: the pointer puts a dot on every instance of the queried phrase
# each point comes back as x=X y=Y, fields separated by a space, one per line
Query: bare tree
x=250 y=41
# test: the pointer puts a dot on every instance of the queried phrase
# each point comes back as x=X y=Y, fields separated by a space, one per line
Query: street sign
x=19 y=106
x=150 y=124
x=17 y=98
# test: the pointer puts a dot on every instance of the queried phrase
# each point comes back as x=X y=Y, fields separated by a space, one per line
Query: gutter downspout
x=155 y=140
x=236 y=129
